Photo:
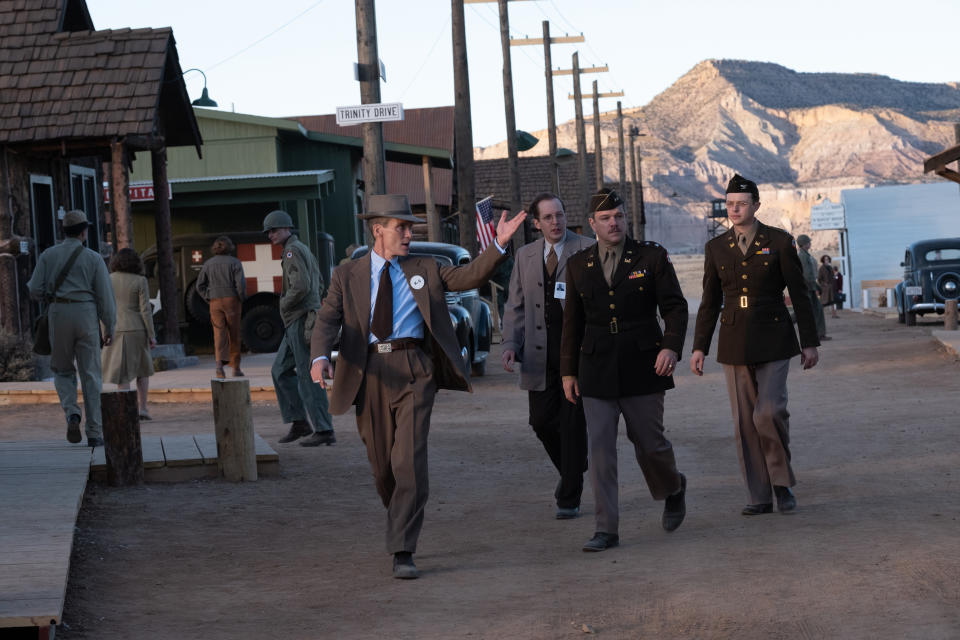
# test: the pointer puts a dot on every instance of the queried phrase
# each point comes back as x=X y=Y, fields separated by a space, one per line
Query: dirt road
x=873 y=551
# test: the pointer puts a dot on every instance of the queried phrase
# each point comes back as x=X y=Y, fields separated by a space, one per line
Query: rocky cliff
x=802 y=136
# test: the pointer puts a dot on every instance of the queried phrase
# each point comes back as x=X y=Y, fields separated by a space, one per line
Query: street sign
x=827 y=215
x=379 y=112
x=138 y=193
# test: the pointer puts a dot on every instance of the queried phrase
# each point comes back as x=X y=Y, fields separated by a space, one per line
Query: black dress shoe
x=675 y=507
x=298 y=429
x=318 y=438
x=601 y=541
x=786 y=501
x=94 y=442
x=568 y=513
x=757 y=509
x=403 y=567
x=73 y=429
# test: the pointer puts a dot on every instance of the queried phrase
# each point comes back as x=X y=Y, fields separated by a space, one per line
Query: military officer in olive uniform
x=745 y=272
x=299 y=300
x=614 y=353
x=83 y=301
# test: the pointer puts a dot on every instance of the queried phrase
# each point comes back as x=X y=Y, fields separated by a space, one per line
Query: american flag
x=486 y=231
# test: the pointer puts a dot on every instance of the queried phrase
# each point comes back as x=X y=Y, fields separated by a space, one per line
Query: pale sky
x=295 y=57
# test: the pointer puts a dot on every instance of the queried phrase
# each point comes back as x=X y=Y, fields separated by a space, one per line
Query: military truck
x=262 y=328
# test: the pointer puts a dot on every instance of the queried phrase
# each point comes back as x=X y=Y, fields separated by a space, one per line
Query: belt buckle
x=743 y=302
x=384 y=347
x=614 y=327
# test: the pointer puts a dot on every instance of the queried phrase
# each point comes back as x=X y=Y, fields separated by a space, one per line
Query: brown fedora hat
x=389 y=206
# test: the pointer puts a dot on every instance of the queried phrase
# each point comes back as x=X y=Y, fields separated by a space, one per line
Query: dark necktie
x=552 y=261
x=382 y=325
x=609 y=266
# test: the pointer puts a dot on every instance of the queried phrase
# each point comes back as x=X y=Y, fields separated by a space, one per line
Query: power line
x=497 y=29
x=281 y=27
x=443 y=32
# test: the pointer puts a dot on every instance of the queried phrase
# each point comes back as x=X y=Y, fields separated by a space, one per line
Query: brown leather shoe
x=237 y=373
x=219 y=373
x=298 y=429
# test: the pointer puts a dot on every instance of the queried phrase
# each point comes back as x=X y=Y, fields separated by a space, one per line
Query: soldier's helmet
x=277 y=220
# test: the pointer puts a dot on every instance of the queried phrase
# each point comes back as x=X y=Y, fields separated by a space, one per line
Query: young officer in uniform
x=615 y=355
x=532 y=324
x=83 y=301
x=745 y=272
x=397 y=347
x=296 y=393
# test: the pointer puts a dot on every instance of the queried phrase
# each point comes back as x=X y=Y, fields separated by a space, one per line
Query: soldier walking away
x=75 y=283
x=745 y=272
x=809 y=266
x=532 y=325
x=397 y=349
x=615 y=355
x=222 y=285
x=297 y=394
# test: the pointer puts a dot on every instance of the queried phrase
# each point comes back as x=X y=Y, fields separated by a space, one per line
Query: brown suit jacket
x=746 y=292
x=347 y=306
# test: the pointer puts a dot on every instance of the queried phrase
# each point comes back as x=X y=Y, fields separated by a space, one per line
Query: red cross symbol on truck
x=196 y=256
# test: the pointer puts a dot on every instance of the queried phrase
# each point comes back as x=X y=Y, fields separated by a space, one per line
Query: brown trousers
x=758 y=399
x=644 y=418
x=225 y=317
x=393 y=418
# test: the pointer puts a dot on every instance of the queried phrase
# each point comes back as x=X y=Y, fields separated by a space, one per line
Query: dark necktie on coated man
x=382 y=325
x=552 y=261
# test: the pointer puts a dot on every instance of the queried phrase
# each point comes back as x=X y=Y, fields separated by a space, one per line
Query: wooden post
x=551 y=115
x=121 y=437
x=433 y=219
x=166 y=276
x=513 y=162
x=368 y=59
x=643 y=213
x=120 y=198
x=597 y=148
x=635 y=208
x=236 y=448
x=9 y=250
x=621 y=160
x=463 y=132
x=583 y=197
x=950 y=315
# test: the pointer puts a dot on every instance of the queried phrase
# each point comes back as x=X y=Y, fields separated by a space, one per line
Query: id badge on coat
x=560 y=291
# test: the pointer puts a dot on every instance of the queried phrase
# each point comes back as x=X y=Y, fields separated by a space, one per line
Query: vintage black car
x=470 y=315
x=931 y=276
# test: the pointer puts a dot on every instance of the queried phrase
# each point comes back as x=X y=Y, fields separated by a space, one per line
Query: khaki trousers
x=644 y=419
x=75 y=338
x=225 y=318
x=393 y=418
x=758 y=399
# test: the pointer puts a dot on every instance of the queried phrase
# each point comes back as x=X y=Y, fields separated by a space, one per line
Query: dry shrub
x=16 y=359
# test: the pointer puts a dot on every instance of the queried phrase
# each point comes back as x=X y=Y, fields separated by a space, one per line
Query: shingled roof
x=492 y=178
x=83 y=87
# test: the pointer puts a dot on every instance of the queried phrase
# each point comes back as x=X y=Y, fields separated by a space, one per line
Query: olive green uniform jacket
x=302 y=284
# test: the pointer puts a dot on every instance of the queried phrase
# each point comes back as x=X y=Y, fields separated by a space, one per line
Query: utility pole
x=547 y=41
x=581 y=135
x=636 y=174
x=597 y=149
x=463 y=132
x=513 y=162
x=621 y=161
x=368 y=71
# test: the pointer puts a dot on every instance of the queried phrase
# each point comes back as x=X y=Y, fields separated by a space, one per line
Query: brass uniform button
x=613 y=306
x=744 y=289
x=610 y=292
x=744 y=276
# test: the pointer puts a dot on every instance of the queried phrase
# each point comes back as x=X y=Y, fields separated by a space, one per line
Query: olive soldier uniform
x=743 y=286
x=611 y=343
x=297 y=394
x=79 y=305
x=813 y=289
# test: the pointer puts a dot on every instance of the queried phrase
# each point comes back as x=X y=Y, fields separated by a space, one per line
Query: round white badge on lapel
x=417 y=282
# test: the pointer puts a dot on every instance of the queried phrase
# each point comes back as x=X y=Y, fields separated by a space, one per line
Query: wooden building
x=71 y=98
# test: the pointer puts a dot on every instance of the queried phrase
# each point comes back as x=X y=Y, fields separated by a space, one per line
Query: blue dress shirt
x=407 y=319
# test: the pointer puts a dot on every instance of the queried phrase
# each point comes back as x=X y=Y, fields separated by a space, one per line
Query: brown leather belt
x=394 y=345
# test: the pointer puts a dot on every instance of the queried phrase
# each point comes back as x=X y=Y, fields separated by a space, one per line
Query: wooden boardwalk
x=41 y=488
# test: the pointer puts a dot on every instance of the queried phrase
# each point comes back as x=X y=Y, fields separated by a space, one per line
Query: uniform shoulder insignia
x=289 y=254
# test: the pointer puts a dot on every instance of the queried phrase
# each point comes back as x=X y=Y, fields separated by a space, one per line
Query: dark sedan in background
x=469 y=314
x=931 y=276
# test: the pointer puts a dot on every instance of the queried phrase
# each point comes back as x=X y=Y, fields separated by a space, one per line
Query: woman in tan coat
x=128 y=356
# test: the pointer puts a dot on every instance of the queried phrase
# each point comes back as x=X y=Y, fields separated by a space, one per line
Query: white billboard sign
x=381 y=112
x=827 y=215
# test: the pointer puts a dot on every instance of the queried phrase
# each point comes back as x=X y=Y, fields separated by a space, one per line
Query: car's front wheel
x=911 y=319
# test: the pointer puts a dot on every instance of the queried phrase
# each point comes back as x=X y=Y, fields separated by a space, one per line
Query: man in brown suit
x=614 y=353
x=397 y=347
x=745 y=272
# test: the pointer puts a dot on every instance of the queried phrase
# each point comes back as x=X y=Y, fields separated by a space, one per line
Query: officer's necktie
x=552 y=261
x=382 y=325
x=609 y=266
x=743 y=243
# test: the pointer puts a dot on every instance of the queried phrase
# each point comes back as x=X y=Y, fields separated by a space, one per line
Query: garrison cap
x=739 y=184
x=389 y=206
x=604 y=200
x=74 y=220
